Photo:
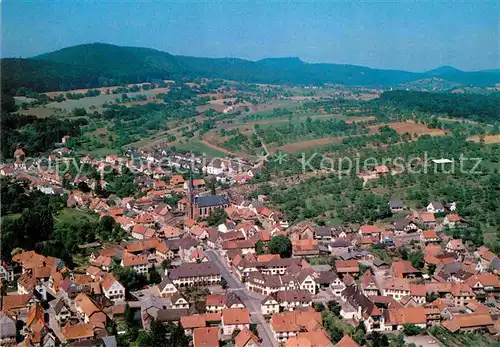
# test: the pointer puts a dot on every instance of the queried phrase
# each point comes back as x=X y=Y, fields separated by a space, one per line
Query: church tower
x=191 y=196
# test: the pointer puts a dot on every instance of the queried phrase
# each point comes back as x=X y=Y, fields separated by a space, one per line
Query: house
x=6 y=272
x=455 y=246
x=339 y=246
x=205 y=273
x=6 y=171
x=170 y=232
x=469 y=322
x=418 y=293
x=113 y=289
x=426 y=218
x=323 y=234
x=330 y=279
x=311 y=338
x=62 y=312
x=235 y=318
x=461 y=294
x=485 y=256
x=290 y=300
x=89 y=311
x=139 y=264
x=206 y=337
x=381 y=170
x=142 y=232
x=17 y=304
x=404 y=269
x=246 y=339
x=219 y=302
x=346 y=341
x=305 y=248
x=396 y=287
x=396 y=317
x=192 y=322
x=270 y=305
x=288 y=324
x=484 y=283
x=166 y=287
x=429 y=236
x=435 y=207
x=306 y=281
x=347 y=267
x=370 y=230
x=404 y=225
x=78 y=332
x=396 y=205
x=179 y=302
x=452 y=221
x=368 y=284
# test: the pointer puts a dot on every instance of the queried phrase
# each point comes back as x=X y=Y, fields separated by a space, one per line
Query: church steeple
x=190 y=196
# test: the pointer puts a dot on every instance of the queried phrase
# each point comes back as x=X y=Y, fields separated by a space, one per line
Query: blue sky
x=407 y=35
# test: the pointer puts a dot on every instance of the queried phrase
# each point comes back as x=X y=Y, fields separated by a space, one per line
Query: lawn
x=70 y=214
x=199 y=147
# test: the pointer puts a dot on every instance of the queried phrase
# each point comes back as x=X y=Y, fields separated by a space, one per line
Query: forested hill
x=94 y=65
x=481 y=108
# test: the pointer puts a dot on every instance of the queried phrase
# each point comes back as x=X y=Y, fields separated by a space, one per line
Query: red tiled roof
x=235 y=316
x=206 y=337
x=402 y=267
x=346 y=341
x=370 y=229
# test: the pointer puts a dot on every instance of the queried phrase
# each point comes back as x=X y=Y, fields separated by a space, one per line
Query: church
x=201 y=206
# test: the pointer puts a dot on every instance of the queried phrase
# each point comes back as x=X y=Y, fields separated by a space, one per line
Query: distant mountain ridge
x=98 y=64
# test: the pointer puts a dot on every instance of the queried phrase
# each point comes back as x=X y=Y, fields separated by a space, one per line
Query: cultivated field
x=308 y=144
x=201 y=147
x=95 y=101
x=44 y=112
x=411 y=128
x=488 y=139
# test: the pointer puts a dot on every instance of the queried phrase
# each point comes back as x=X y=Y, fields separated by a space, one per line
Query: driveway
x=251 y=300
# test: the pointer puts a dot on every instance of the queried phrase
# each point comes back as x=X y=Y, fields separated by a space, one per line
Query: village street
x=251 y=300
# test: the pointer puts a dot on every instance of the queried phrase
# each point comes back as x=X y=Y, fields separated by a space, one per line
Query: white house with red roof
x=113 y=289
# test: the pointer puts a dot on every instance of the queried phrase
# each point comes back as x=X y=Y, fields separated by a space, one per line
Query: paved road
x=250 y=301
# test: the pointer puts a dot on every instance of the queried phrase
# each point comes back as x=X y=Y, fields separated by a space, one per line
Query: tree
x=334 y=307
x=177 y=335
x=166 y=264
x=129 y=316
x=430 y=297
x=411 y=329
x=144 y=339
x=154 y=276
x=158 y=333
x=431 y=268
x=281 y=245
x=318 y=307
x=253 y=329
x=223 y=283
x=107 y=223
x=217 y=217
x=259 y=247
x=417 y=259
x=378 y=340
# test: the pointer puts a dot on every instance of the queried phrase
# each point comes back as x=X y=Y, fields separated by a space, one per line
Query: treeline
x=35 y=135
x=36 y=221
x=482 y=108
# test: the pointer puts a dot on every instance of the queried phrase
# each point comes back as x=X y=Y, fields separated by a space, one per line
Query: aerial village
x=222 y=284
